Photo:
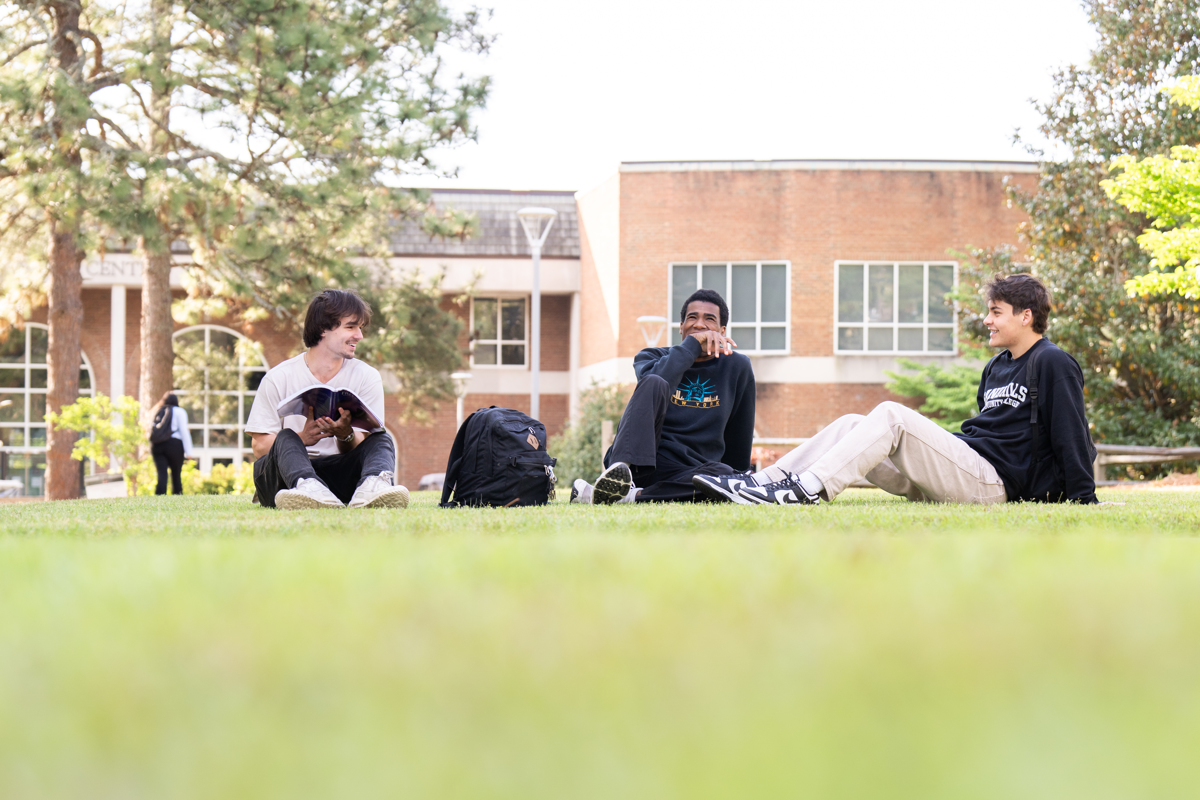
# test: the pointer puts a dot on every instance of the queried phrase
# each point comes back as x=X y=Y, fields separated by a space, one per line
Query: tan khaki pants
x=901 y=452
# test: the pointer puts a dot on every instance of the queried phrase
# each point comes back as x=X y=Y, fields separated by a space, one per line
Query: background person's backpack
x=160 y=431
x=499 y=458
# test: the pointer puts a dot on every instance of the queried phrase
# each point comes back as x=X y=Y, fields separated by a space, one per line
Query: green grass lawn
x=202 y=647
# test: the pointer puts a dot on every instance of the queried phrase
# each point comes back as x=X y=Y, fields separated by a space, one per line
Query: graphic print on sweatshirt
x=1013 y=394
x=696 y=393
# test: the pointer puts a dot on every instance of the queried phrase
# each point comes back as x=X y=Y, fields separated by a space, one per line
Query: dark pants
x=168 y=455
x=636 y=443
x=287 y=462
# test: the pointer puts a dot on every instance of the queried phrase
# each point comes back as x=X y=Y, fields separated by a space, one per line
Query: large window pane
x=485 y=354
x=910 y=339
x=850 y=338
x=850 y=293
x=12 y=407
x=941 y=340
x=222 y=437
x=744 y=337
x=38 y=378
x=879 y=339
x=85 y=381
x=37 y=407
x=743 y=300
x=683 y=283
x=772 y=339
x=911 y=299
x=39 y=344
x=485 y=319
x=941 y=281
x=12 y=437
x=774 y=293
x=12 y=349
x=512 y=354
x=713 y=277
x=879 y=293
x=37 y=437
x=512 y=320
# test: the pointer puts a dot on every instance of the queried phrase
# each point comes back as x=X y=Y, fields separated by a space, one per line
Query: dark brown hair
x=705 y=296
x=328 y=309
x=1021 y=292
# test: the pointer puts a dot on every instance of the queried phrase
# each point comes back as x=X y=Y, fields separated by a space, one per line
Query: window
x=894 y=307
x=756 y=293
x=217 y=372
x=498 y=332
x=23 y=383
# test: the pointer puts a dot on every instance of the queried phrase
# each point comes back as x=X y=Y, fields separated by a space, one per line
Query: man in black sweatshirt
x=691 y=413
x=1029 y=441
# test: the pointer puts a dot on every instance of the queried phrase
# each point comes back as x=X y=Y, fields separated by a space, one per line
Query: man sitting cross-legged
x=324 y=463
x=1004 y=453
x=692 y=412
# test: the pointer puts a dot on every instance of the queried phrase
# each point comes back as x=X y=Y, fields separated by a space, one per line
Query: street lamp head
x=652 y=329
x=537 y=223
x=461 y=379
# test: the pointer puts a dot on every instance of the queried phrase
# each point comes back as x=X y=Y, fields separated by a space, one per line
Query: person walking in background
x=170 y=443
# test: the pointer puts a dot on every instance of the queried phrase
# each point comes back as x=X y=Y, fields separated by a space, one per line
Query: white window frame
x=925 y=325
x=28 y=365
x=204 y=453
x=727 y=293
x=500 y=342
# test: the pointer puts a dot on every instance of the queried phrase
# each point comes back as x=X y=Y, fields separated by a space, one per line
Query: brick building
x=832 y=270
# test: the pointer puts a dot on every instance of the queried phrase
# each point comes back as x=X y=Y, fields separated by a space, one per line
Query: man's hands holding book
x=323 y=427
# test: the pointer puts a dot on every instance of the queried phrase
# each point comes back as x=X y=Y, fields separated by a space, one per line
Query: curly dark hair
x=705 y=296
x=328 y=309
x=1022 y=291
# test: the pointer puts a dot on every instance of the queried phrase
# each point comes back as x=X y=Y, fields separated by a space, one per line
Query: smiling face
x=1009 y=328
x=343 y=340
x=701 y=316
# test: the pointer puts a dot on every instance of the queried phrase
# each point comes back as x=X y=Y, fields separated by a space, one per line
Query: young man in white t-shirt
x=324 y=463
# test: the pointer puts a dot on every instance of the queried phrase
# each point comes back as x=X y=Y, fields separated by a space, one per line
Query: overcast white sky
x=580 y=87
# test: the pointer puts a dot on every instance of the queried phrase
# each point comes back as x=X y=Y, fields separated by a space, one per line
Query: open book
x=325 y=402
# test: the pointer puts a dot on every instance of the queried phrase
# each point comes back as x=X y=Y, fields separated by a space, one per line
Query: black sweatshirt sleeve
x=668 y=363
x=1069 y=439
x=739 y=431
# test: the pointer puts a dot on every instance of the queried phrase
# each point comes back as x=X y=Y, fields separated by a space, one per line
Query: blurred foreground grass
x=201 y=647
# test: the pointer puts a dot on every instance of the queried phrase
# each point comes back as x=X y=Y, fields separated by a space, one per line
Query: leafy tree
x=1167 y=189
x=114 y=432
x=948 y=393
x=52 y=67
x=1138 y=353
x=578 y=447
x=270 y=135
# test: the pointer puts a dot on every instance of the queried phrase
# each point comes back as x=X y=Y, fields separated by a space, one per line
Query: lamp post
x=532 y=220
x=652 y=329
x=461 y=379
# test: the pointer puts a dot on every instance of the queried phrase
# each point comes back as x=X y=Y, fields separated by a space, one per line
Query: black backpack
x=160 y=431
x=499 y=458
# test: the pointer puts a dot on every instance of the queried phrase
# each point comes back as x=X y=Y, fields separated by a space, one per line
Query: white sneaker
x=377 y=491
x=581 y=491
x=309 y=493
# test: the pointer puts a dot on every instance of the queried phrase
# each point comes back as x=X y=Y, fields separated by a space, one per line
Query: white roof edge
x=865 y=165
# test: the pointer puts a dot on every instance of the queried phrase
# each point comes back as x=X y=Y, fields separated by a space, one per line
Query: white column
x=573 y=333
x=116 y=344
x=535 y=346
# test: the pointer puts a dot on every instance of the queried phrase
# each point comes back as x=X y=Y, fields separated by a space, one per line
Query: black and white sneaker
x=721 y=488
x=785 y=493
x=613 y=484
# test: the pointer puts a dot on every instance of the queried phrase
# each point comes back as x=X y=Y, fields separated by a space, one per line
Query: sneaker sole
x=396 y=497
x=290 y=500
x=715 y=491
x=612 y=485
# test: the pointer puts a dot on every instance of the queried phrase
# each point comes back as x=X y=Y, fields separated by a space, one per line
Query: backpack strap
x=1031 y=383
x=454 y=467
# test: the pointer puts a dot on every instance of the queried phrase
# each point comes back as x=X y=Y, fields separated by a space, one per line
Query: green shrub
x=948 y=395
x=224 y=478
x=578 y=447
